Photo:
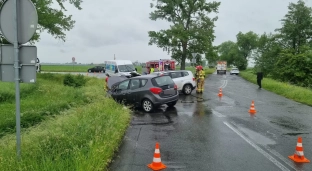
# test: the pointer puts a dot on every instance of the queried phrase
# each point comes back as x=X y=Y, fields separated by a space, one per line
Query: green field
x=63 y=127
x=296 y=93
x=66 y=68
x=84 y=68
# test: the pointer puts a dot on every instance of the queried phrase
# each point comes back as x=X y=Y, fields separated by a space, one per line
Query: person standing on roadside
x=152 y=70
x=259 y=78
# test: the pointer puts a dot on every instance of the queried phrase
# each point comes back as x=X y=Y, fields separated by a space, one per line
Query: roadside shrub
x=74 y=81
x=69 y=80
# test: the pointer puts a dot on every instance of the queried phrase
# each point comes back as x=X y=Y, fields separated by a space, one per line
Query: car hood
x=114 y=79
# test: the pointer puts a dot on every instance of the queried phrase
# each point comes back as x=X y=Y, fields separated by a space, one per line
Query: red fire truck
x=162 y=65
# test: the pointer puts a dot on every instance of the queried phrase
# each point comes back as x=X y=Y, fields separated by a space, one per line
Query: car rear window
x=162 y=80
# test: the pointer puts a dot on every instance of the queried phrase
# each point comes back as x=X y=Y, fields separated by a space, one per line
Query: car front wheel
x=187 y=89
x=89 y=70
x=147 y=105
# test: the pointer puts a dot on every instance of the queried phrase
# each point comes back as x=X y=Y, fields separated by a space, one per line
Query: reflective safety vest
x=152 y=70
x=201 y=74
x=197 y=74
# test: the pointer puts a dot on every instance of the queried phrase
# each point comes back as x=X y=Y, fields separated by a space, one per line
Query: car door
x=121 y=92
x=178 y=79
x=134 y=91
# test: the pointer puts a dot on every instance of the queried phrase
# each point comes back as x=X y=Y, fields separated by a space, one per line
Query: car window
x=134 y=84
x=124 y=85
x=143 y=82
x=176 y=74
x=185 y=74
x=162 y=80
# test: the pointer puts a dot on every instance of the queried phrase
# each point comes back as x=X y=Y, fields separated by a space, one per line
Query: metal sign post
x=18 y=23
x=17 y=83
x=194 y=58
x=73 y=61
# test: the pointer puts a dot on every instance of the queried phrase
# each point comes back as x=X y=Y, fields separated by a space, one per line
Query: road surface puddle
x=256 y=137
x=287 y=122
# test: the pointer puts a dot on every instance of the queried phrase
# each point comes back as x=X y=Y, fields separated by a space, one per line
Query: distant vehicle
x=184 y=80
x=221 y=67
x=97 y=69
x=147 y=91
x=234 y=71
x=119 y=67
x=162 y=65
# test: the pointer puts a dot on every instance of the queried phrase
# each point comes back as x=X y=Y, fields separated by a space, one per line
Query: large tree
x=296 y=30
x=54 y=21
x=191 y=29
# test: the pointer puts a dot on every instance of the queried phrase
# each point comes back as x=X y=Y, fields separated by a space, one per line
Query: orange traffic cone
x=220 y=93
x=252 y=109
x=299 y=156
x=157 y=164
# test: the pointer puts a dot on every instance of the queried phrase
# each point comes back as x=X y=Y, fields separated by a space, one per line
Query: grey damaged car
x=146 y=91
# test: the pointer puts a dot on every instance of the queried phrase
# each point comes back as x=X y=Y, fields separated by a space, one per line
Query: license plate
x=168 y=92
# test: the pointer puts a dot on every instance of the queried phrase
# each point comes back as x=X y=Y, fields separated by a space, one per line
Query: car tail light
x=106 y=79
x=156 y=90
x=175 y=87
x=193 y=79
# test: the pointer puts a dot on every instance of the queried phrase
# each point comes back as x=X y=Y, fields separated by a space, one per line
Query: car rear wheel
x=187 y=89
x=147 y=105
x=171 y=104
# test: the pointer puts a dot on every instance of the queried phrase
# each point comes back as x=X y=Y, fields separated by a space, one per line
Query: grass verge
x=66 y=68
x=84 y=137
x=47 y=97
x=299 y=94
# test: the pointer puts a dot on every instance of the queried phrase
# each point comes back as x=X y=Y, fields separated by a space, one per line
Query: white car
x=184 y=80
x=234 y=71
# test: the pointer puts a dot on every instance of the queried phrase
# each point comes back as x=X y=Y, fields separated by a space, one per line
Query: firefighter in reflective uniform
x=201 y=79
x=197 y=78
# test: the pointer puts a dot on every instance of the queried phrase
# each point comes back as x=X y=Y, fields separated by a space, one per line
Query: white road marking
x=218 y=114
x=224 y=84
x=280 y=157
x=267 y=155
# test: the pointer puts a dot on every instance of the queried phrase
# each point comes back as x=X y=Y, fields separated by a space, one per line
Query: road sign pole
x=17 y=80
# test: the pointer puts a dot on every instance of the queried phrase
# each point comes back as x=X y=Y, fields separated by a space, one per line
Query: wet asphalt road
x=219 y=134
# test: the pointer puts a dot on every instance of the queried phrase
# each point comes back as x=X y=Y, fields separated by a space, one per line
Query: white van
x=119 y=67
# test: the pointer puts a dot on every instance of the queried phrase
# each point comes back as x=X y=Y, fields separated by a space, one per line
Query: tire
x=89 y=71
x=147 y=105
x=187 y=89
x=171 y=104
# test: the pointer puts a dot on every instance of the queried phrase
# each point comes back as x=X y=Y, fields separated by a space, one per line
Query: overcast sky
x=107 y=27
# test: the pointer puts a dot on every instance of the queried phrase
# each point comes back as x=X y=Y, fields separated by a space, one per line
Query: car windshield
x=163 y=80
x=126 y=68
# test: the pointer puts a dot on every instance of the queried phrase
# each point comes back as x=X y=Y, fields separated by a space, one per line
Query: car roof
x=145 y=76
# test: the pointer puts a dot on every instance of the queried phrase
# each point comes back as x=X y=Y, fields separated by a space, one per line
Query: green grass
x=296 y=93
x=83 y=137
x=66 y=68
x=45 y=98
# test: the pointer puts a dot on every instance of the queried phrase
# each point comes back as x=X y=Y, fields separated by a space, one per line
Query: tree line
x=284 y=55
